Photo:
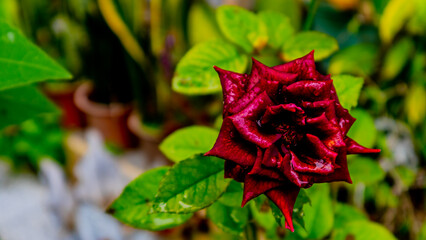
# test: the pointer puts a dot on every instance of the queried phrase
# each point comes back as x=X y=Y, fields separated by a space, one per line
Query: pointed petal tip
x=289 y=226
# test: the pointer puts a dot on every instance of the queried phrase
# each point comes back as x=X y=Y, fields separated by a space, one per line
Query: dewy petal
x=295 y=177
x=246 y=122
x=310 y=165
x=308 y=90
x=231 y=146
x=291 y=111
x=354 y=148
x=261 y=73
x=256 y=185
x=319 y=150
x=233 y=86
x=285 y=197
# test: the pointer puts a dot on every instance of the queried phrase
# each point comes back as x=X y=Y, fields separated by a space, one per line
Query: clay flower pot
x=109 y=119
x=63 y=97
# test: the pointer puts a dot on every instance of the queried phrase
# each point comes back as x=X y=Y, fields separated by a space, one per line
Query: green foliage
x=278 y=26
x=363 y=130
x=195 y=73
x=363 y=230
x=365 y=170
x=302 y=43
x=230 y=219
x=396 y=58
x=134 y=204
x=19 y=104
x=233 y=196
x=242 y=27
x=22 y=62
x=345 y=214
x=202 y=24
x=415 y=104
x=394 y=17
x=186 y=142
x=291 y=8
x=359 y=59
x=348 y=89
x=191 y=185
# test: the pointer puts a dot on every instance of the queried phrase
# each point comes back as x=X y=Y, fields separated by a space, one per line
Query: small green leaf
x=229 y=219
x=302 y=43
x=242 y=27
x=191 y=185
x=365 y=170
x=396 y=13
x=396 y=58
x=202 y=24
x=195 y=73
x=406 y=175
x=415 y=104
x=22 y=103
x=187 y=142
x=363 y=130
x=22 y=62
x=363 y=230
x=278 y=26
x=348 y=89
x=359 y=59
x=133 y=205
x=233 y=197
x=345 y=214
x=318 y=216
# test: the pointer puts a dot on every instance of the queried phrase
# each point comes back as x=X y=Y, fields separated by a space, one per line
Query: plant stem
x=313 y=7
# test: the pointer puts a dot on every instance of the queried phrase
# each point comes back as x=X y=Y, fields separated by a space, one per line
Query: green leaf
x=265 y=219
x=134 y=204
x=22 y=62
x=415 y=104
x=363 y=230
x=359 y=59
x=291 y=8
x=195 y=73
x=396 y=13
x=202 y=24
x=302 y=43
x=22 y=103
x=384 y=197
x=363 y=130
x=406 y=175
x=229 y=219
x=365 y=170
x=319 y=218
x=242 y=27
x=345 y=214
x=187 y=142
x=396 y=58
x=278 y=26
x=348 y=89
x=233 y=197
x=191 y=185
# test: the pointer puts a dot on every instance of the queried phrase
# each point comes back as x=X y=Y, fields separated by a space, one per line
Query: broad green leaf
x=359 y=59
x=22 y=62
x=396 y=58
x=365 y=170
x=22 y=103
x=291 y=8
x=229 y=219
x=345 y=214
x=278 y=26
x=242 y=27
x=348 y=89
x=396 y=13
x=415 y=104
x=133 y=205
x=363 y=130
x=191 y=185
x=319 y=217
x=195 y=73
x=187 y=142
x=233 y=197
x=363 y=230
x=202 y=24
x=302 y=43
x=417 y=23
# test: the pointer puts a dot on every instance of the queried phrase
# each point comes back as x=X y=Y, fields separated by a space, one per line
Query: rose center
x=289 y=134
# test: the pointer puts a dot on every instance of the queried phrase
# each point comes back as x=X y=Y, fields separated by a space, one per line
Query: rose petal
x=309 y=90
x=284 y=111
x=285 y=197
x=300 y=180
x=246 y=122
x=354 y=148
x=231 y=146
x=235 y=171
x=256 y=185
x=319 y=150
x=261 y=73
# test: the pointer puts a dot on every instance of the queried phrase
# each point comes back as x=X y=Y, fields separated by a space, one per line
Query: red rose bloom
x=283 y=129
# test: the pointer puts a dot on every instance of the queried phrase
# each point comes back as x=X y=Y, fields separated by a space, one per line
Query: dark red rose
x=283 y=129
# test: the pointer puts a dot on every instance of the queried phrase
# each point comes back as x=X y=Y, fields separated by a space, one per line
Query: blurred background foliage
x=129 y=50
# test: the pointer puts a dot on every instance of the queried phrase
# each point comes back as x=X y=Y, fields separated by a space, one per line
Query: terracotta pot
x=63 y=97
x=109 y=119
